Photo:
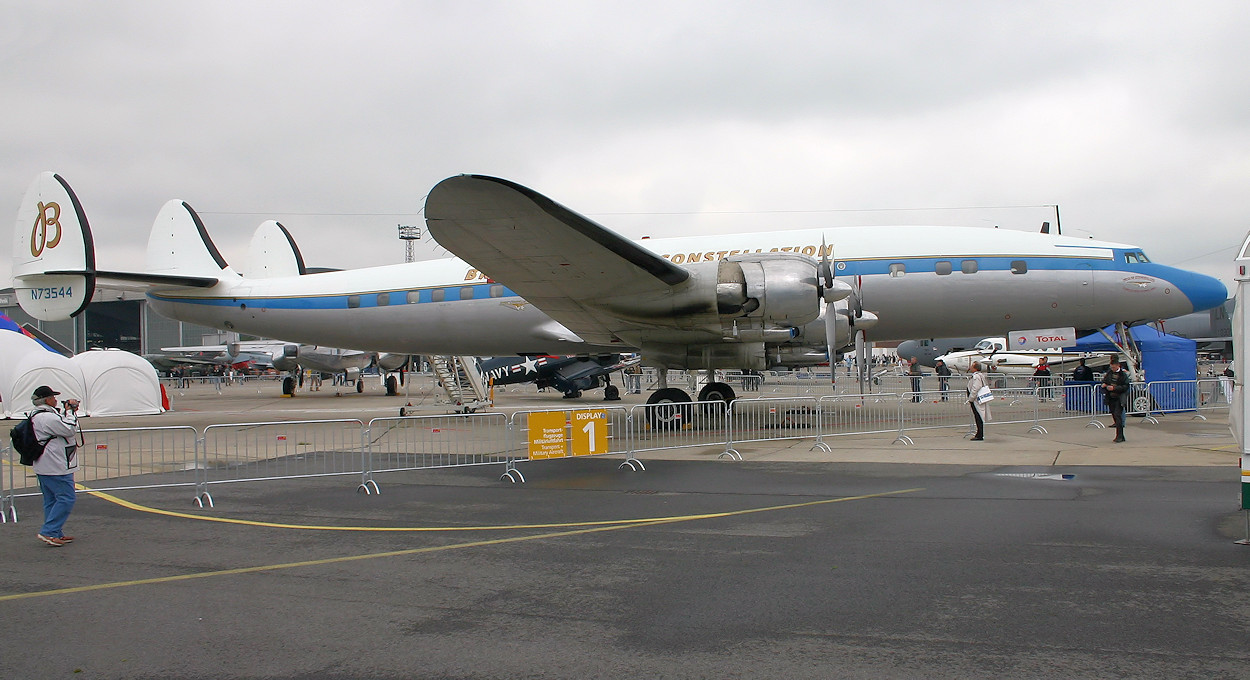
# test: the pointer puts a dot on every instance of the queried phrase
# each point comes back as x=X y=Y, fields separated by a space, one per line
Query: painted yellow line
x=432 y=549
x=325 y=527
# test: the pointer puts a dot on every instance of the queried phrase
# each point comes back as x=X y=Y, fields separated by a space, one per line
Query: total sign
x=1042 y=338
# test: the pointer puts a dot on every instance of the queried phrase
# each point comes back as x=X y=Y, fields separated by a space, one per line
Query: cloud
x=654 y=117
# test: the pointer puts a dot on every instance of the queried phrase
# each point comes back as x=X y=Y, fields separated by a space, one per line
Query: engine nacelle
x=389 y=361
x=288 y=360
x=777 y=288
x=742 y=355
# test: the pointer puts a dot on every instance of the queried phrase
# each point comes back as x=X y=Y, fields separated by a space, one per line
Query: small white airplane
x=533 y=277
x=994 y=356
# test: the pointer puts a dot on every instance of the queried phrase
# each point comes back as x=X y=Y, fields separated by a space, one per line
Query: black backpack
x=28 y=448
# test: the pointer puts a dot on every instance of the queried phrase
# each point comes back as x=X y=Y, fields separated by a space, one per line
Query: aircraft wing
x=595 y=282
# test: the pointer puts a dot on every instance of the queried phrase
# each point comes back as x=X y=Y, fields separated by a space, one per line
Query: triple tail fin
x=53 y=254
x=273 y=253
x=54 y=267
x=181 y=247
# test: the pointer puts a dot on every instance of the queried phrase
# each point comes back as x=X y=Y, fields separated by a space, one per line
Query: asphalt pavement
x=1025 y=556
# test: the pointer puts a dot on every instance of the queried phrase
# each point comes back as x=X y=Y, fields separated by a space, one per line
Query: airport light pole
x=409 y=235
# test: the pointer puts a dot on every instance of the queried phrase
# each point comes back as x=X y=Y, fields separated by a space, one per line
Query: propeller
x=832 y=291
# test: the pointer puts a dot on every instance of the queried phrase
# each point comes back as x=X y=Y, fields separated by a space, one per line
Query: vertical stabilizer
x=180 y=245
x=53 y=255
x=273 y=253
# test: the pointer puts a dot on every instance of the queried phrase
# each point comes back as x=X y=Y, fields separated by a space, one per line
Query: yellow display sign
x=588 y=435
x=547 y=438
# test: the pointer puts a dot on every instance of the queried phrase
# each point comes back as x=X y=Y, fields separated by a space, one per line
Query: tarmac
x=1027 y=555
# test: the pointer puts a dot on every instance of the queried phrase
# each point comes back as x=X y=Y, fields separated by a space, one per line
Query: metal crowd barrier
x=855 y=414
x=426 y=442
x=926 y=410
x=678 y=425
x=563 y=433
x=8 y=511
x=131 y=458
x=117 y=459
x=247 y=452
x=771 y=419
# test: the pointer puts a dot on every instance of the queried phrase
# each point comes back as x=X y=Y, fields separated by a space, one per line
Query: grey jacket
x=58 y=456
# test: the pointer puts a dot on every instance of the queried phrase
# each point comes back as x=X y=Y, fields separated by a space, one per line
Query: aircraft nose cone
x=1204 y=292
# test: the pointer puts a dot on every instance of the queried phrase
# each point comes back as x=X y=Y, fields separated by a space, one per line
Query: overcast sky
x=654 y=118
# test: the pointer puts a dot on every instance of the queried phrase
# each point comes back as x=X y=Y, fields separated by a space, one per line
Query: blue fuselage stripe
x=870 y=267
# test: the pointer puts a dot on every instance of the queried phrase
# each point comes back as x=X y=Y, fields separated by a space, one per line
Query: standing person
x=944 y=377
x=1041 y=377
x=1115 y=387
x=1082 y=372
x=913 y=370
x=55 y=468
x=980 y=411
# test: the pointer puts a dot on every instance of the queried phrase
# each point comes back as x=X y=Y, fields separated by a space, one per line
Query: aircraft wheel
x=674 y=409
x=288 y=385
x=392 y=386
x=717 y=391
x=360 y=386
x=611 y=393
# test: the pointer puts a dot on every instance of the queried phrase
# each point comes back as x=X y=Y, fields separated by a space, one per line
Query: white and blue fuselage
x=918 y=281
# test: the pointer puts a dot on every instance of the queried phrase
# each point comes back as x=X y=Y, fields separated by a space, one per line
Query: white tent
x=13 y=346
x=38 y=366
x=118 y=384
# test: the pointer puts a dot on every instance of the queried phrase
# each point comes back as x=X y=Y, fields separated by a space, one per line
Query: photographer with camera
x=55 y=468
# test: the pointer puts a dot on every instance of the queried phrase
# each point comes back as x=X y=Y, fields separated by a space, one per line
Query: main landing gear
x=678 y=406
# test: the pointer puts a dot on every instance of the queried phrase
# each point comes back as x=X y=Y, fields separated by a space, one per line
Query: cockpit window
x=984 y=344
x=1135 y=257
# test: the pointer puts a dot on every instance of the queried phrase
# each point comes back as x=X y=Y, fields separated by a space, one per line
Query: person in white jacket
x=980 y=411
x=55 y=468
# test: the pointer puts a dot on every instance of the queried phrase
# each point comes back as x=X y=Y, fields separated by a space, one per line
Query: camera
x=72 y=404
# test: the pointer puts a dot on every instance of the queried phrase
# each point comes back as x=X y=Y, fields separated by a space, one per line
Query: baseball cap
x=43 y=392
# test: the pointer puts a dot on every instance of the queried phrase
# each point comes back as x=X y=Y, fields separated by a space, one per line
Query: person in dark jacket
x=944 y=377
x=1115 y=385
x=1083 y=372
x=913 y=370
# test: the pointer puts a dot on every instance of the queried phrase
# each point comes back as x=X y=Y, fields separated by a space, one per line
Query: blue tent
x=7 y=324
x=1164 y=358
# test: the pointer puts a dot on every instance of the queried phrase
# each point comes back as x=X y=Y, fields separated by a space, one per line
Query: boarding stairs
x=461 y=381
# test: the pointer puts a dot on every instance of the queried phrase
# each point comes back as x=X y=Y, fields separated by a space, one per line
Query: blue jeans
x=58 y=500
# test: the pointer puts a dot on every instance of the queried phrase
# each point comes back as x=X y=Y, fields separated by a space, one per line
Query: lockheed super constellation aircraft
x=533 y=277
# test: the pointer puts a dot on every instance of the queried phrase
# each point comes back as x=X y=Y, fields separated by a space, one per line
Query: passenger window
x=384 y=299
x=897 y=270
x=496 y=290
x=968 y=266
x=414 y=296
x=1019 y=266
x=437 y=295
x=353 y=301
x=466 y=292
x=943 y=267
